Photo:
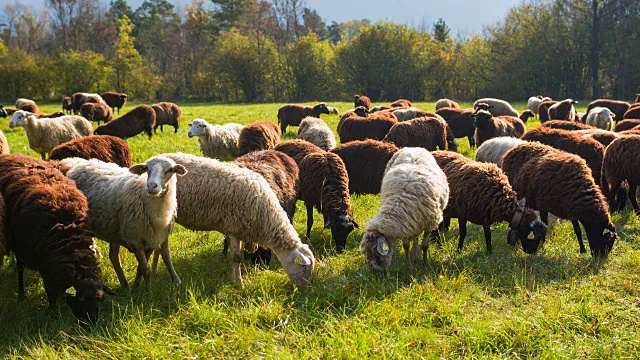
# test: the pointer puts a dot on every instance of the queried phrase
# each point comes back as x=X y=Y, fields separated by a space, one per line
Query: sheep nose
x=153 y=186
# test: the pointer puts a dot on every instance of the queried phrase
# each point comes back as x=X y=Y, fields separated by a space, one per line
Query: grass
x=555 y=304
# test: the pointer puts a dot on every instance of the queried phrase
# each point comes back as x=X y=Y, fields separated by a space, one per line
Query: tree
x=120 y=8
x=314 y=23
x=441 y=31
x=310 y=61
x=82 y=71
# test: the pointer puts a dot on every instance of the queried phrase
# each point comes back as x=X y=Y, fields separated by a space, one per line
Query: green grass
x=555 y=304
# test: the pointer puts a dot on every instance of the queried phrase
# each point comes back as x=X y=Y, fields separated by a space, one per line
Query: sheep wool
x=316 y=131
x=216 y=141
x=428 y=133
x=102 y=147
x=601 y=118
x=260 y=135
x=497 y=107
x=492 y=150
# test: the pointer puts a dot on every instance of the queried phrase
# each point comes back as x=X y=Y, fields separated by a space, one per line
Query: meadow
x=554 y=304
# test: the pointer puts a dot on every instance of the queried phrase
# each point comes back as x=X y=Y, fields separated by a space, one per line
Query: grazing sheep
x=557 y=182
x=105 y=148
x=361 y=100
x=604 y=137
x=619 y=108
x=167 y=113
x=96 y=112
x=427 y=132
x=298 y=149
x=446 y=103
x=600 y=117
x=332 y=110
x=115 y=100
x=632 y=113
x=134 y=208
x=627 y=124
x=28 y=105
x=534 y=103
x=81 y=98
x=497 y=107
x=566 y=125
x=216 y=141
x=67 y=105
x=360 y=128
x=401 y=103
x=292 y=114
x=460 y=121
x=45 y=134
x=621 y=164
x=51 y=116
x=480 y=193
x=260 y=135
x=414 y=194
x=365 y=162
x=543 y=110
x=141 y=118
x=488 y=127
x=217 y=196
x=316 y=131
x=492 y=150
x=45 y=228
x=563 y=110
x=324 y=184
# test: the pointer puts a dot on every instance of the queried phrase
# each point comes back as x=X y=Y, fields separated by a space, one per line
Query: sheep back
x=566 y=125
x=493 y=150
x=446 y=103
x=298 y=149
x=102 y=147
x=365 y=161
x=167 y=113
x=361 y=128
x=96 y=112
x=543 y=110
x=619 y=108
x=426 y=132
x=142 y=118
x=260 y=135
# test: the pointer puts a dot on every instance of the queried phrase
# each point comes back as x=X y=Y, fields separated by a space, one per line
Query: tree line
x=281 y=50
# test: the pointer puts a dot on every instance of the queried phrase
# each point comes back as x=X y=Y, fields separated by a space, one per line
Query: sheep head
x=482 y=106
x=361 y=111
x=526 y=115
x=160 y=171
x=198 y=127
x=378 y=251
x=482 y=119
x=524 y=222
x=298 y=263
x=341 y=226
x=320 y=109
x=85 y=298
x=19 y=118
x=601 y=239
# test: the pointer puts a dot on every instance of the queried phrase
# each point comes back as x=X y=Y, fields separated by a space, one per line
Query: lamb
x=298 y=149
x=134 y=208
x=543 y=110
x=493 y=150
x=217 y=196
x=361 y=100
x=28 y=105
x=67 y=105
x=534 y=103
x=497 y=107
x=332 y=110
x=102 y=147
x=566 y=125
x=563 y=110
x=460 y=121
x=260 y=135
x=488 y=127
x=167 y=113
x=216 y=141
x=627 y=124
x=361 y=128
x=632 y=113
x=142 y=118
x=617 y=107
x=480 y=193
x=426 y=132
x=292 y=114
x=618 y=166
x=316 y=131
x=45 y=134
x=80 y=98
x=45 y=228
x=414 y=194
x=115 y=100
x=446 y=103
x=400 y=103
x=604 y=137
x=557 y=182
x=365 y=161
x=600 y=117
x=96 y=112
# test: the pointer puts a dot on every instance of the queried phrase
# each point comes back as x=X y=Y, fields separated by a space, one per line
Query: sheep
x=425 y=132
x=96 y=112
x=414 y=194
x=115 y=100
x=4 y=148
x=217 y=196
x=216 y=141
x=316 y=131
x=80 y=98
x=45 y=228
x=563 y=110
x=361 y=100
x=632 y=113
x=620 y=164
x=543 y=110
x=292 y=114
x=167 y=113
x=379 y=108
x=404 y=114
x=332 y=110
x=526 y=115
x=460 y=121
x=497 y=107
x=45 y=134
x=28 y=105
x=604 y=137
x=51 y=116
x=487 y=126
x=3 y=112
x=365 y=161
x=493 y=150
x=260 y=135
x=480 y=193
x=134 y=208
x=102 y=147
x=446 y=103
x=67 y=105
x=534 y=103
x=298 y=149
x=401 y=103
x=566 y=125
x=360 y=128
x=627 y=124
x=600 y=117
x=618 y=108
x=141 y=118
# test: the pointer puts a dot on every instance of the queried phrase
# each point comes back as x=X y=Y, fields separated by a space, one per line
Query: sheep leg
x=416 y=249
x=114 y=256
x=283 y=128
x=154 y=264
x=164 y=251
x=544 y=216
x=425 y=243
x=309 y=219
x=236 y=258
x=632 y=196
x=472 y=142
x=406 y=245
x=143 y=267
x=44 y=156
x=462 y=226
x=20 y=268
x=487 y=237
x=175 y=129
x=578 y=231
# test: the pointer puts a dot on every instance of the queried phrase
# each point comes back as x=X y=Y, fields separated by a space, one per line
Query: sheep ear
x=382 y=247
x=180 y=169
x=138 y=169
x=71 y=291
x=574 y=101
x=302 y=260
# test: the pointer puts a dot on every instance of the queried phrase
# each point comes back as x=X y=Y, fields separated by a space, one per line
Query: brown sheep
x=401 y=103
x=80 y=98
x=102 y=147
x=115 y=100
x=96 y=112
x=543 y=110
x=566 y=125
x=616 y=106
x=560 y=183
x=446 y=103
x=141 y=118
x=604 y=137
x=460 y=121
x=292 y=114
x=28 y=105
x=526 y=115
x=67 y=105
x=361 y=100
x=361 y=128
x=632 y=113
x=260 y=135
x=563 y=110
x=366 y=161
x=167 y=113
x=298 y=149
x=489 y=126
x=627 y=124
x=621 y=164
x=427 y=132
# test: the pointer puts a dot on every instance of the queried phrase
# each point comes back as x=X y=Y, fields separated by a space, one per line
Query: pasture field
x=554 y=304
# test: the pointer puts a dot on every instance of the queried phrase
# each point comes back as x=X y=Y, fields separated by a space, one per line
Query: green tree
x=441 y=31
x=82 y=71
x=314 y=23
x=310 y=61
x=119 y=9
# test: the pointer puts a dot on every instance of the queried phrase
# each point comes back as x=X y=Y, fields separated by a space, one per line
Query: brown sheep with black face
x=361 y=100
x=489 y=126
x=460 y=121
x=563 y=110
x=292 y=114
x=115 y=100
x=102 y=147
x=67 y=105
x=543 y=110
x=621 y=164
x=366 y=161
x=141 y=118
x=260 y=135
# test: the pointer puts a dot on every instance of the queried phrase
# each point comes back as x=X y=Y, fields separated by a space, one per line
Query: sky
x=462 y=16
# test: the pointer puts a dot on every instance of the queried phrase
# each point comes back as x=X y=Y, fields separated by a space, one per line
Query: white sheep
x=497 y=107
x=600 y=117
x=219 y=196
x=492 y=150
x=22 y=101
x=316 y=131
x=45 y=134
x=414 y=194
x=534 y=103
x=4 y=144
x=405 y=114
x=332 y=110
x=134 y=208
x=216 y=141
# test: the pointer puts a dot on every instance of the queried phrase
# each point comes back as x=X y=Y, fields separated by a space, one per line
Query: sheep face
x=19 y=118
x=482 y=119
x=360 y=111
x=482 y=106
x=529 y=223
x=198 y=128
x=85 y=304
x=160 y=172
x=341 y=226
x=320 y=109
x=601 y=239
x=378 y=251
x=298 y=263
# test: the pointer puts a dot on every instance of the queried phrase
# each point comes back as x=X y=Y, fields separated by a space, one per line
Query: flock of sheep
x=573 y=166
